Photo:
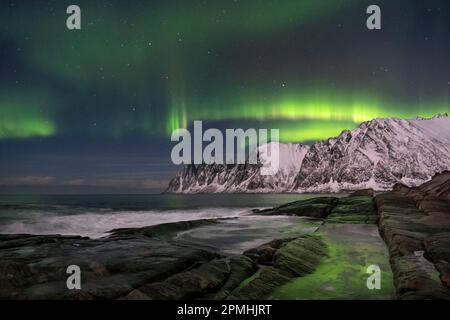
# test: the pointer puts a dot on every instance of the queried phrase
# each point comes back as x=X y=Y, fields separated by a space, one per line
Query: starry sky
x=92 y=110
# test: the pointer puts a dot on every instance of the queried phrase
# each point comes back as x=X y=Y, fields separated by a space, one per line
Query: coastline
x=323 y=257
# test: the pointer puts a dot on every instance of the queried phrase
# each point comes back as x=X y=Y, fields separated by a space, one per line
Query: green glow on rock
x=342 y=275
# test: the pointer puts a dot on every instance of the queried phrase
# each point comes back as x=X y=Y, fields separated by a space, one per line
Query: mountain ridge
x=377 y=154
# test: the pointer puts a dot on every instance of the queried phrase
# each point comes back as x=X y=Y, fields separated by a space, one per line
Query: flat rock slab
x=342 y=274
x=280 y=261
x=353 y=209
x=234 y=236
x=319 y=207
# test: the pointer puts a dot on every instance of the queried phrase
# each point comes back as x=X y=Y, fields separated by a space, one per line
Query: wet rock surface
x=171 y=261
x=144 y=263
x=138 y=268
x=314 y=208
x=354 y=209
x=342 y=273
x=280 y=261
x=34 y=267
x=157 y=263
x=415 y=224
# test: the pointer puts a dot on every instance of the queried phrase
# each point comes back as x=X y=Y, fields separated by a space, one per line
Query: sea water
x=95 y=215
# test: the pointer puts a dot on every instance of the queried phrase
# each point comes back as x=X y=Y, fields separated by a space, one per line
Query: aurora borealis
x=92 y=105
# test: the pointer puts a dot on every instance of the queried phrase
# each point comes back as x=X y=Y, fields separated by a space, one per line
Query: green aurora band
x=25 y=116
x=303 y=118
x=299 y=119
x=111 y=38
x=124 y=50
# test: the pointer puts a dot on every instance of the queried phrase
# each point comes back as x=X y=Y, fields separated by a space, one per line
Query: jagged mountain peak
x=377 y=154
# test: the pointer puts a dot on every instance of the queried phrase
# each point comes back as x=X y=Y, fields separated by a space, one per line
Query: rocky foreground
x=415 y=224
x=159 y=263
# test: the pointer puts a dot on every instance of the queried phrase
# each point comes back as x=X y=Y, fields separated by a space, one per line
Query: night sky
x=92 y=110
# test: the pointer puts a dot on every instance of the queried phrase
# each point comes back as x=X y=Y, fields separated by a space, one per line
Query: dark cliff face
x=213 y=178
x=376 y=155
x=241 y=177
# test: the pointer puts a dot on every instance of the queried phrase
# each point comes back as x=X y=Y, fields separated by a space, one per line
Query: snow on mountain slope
x=377 y=154
x=242 y=177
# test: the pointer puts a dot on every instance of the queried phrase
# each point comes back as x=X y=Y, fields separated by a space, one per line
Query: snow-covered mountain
x=242 y=177
x=377 y=154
